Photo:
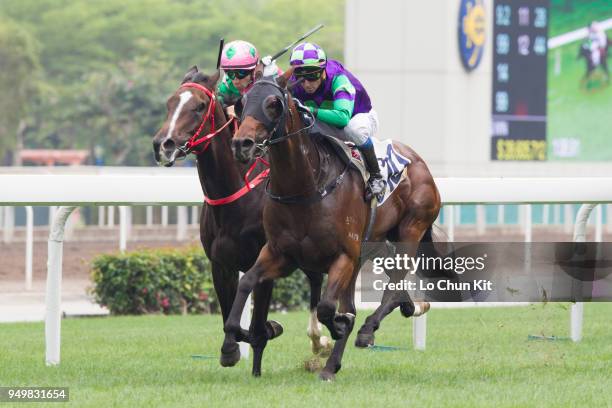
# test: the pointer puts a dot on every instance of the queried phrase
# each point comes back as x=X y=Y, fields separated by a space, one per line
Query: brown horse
x=315 y=216
x=231 y=232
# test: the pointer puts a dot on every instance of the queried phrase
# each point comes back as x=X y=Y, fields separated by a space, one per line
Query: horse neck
x=294 y=162
x=218 y=172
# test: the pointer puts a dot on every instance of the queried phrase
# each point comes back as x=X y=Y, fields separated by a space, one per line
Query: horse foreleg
x=340 y=285
x=261 y=330
x=391 y=299
x=321 y=345
x=226 y=284
x=267 y=267
x=604 y=66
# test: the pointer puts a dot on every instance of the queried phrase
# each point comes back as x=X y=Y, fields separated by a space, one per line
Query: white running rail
x=125 y=190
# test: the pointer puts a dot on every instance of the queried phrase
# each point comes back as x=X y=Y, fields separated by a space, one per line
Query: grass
x=476 y=357
x=580 y=15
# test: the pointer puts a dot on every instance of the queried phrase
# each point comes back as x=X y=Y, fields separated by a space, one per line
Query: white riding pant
x=361 y=127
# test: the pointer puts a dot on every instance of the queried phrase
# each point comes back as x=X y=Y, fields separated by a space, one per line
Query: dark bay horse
x=231 y=229
x=322 y=233
x=591 y=65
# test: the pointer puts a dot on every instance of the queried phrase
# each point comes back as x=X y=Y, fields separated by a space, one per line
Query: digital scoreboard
x=520 y=37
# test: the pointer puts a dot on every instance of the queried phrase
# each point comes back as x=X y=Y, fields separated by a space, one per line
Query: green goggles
x=238 y=73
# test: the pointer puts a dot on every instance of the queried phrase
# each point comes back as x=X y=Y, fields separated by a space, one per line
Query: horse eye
x=200 y=107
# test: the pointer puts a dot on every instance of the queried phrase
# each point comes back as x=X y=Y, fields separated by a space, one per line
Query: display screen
x=519 y=103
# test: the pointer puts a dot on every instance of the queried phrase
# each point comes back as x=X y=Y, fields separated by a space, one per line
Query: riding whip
x=221 y=42
x=372 y=221
x=287 y=48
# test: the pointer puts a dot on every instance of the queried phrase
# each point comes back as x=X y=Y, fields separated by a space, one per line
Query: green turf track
x=575 y=110
x=476 y=357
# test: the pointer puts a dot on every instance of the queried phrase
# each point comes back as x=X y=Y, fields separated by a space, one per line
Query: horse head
x=262 y=114
x=189 y=109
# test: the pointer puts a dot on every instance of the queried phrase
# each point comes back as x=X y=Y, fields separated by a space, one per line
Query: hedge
x=173 y=281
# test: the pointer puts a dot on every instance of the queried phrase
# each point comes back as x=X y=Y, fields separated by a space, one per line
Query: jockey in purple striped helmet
x=337 y=98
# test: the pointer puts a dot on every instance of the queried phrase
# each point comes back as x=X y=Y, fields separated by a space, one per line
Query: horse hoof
x=364 y=340
x=230 y=358
x=420 y=308
x=273 y=329
x=313 y=364
x=326 y=347
x=327 y=376
x=323 y=348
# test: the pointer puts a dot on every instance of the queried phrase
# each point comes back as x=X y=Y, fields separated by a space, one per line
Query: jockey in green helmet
x=239 y=60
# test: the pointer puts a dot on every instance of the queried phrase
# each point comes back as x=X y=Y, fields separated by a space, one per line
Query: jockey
x=337 y=98
x=598 y=35
x=239 y=60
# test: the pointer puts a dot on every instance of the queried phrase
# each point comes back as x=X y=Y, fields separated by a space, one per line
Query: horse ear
x=212 y=80
x=258 y=74
x=273 y=107
x=189 y=75
x=284 y=78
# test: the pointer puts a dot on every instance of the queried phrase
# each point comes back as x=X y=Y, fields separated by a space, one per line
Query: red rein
x=195 y=141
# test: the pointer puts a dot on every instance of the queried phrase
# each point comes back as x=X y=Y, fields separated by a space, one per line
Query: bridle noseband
x=277 y=133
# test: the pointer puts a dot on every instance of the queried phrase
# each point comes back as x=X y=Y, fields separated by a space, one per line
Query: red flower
x=145 y=291
x=165 y=303
x=203 y=296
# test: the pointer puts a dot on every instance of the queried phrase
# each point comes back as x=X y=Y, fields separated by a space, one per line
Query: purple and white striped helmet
x=308 y=55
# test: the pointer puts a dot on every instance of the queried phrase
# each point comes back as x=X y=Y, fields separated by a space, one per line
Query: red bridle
x=193 y=142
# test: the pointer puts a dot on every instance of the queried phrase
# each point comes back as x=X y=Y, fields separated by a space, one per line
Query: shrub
x=172 y=281
x=152 y=281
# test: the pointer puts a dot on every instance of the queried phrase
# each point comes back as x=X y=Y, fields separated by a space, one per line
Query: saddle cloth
x=393 y=166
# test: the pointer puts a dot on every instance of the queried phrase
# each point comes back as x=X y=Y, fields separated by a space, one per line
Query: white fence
x=576 y=35
x=124 y=190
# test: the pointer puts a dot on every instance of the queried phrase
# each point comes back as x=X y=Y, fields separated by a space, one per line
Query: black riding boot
x=376 y=184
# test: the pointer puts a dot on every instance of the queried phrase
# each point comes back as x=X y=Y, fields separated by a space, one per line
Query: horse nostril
x=243 y=149
x=248 y=144
x=168 y=144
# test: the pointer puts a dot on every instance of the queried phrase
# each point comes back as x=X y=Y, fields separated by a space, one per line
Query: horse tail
x=435 y=234
x=436 y=243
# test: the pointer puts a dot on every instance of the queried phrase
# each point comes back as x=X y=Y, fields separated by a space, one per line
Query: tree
x=108 y=66
x=19 y=68
x=118 y=109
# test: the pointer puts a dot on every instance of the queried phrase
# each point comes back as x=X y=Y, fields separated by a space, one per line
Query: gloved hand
x=270 y=67
x=267 y=60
